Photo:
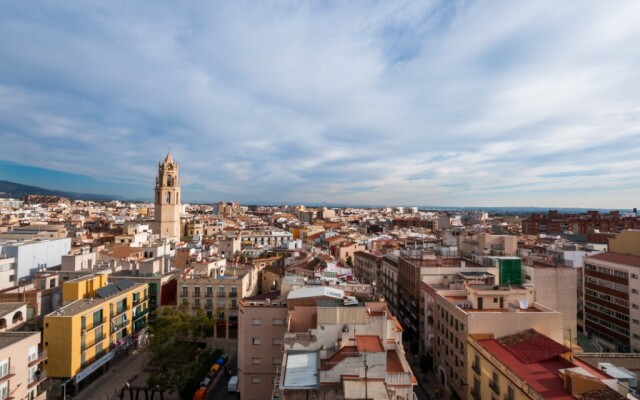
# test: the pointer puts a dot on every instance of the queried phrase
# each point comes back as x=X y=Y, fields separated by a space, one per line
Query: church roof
x=168 y=159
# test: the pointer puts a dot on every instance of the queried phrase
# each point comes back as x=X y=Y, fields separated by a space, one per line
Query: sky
x=443 y=103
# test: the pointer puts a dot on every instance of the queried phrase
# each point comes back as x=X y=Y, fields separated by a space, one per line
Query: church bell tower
x=167 y=198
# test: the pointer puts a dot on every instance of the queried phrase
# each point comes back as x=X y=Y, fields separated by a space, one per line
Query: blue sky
x=483 y=103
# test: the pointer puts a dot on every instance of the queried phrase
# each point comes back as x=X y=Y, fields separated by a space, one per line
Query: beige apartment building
x=528 y=365
x=21 y=370
x=263 y=322
x=497 y=310
x=486 y=244
x=217 y=295
x=556 y=288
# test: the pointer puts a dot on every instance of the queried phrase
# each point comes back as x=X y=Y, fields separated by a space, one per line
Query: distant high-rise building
x=167 y=199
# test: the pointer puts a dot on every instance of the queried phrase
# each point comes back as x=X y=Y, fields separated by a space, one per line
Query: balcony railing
x=196 y=306
x=208 y=306
x=139 y=301
x=222 y=294
x=184 y=294
x=197 y=294
x=209 y=294
x=120 y=310
x=233 y=294
x=116 y=326
x=94 y=326
x=37 y=358
x=37 y=379
x=84 y=346
x=475 y=394
x=10 y=373
x=140 y=314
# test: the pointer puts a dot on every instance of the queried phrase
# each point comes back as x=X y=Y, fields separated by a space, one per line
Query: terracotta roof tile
x=605 y=393
x=531 y=347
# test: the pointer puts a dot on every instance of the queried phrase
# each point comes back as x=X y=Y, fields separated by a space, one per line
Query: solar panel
x=125 y=284
x=106 y=291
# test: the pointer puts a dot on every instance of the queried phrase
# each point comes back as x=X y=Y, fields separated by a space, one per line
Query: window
x=634 y=291
x=256 y=360
x=4 y=367
x=196 y=291
x=276 y=361
x=277 y=321
x=256 y=341
x=185 y=302
x=4 y=390
x=33 y=353
x=276 y=341
x=256 y=380
x=256 y=321
x=168 y=197
x=511 y=394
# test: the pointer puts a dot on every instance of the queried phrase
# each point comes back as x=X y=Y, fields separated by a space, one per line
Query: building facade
x=96 y=321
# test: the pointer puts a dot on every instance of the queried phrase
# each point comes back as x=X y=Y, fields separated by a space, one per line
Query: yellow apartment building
x=97 y=320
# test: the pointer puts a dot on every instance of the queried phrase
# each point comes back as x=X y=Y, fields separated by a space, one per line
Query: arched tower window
x=168 y=197
x=169 y=181
x=177 y=198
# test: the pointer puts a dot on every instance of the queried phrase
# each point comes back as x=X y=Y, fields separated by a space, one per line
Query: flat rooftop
x=301 y=370
x=9 y=338
x=7 y=308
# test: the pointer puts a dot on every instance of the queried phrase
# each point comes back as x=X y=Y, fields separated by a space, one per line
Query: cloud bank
x=444 y=103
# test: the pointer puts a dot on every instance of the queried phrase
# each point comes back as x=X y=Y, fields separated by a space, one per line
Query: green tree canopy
x=173 y=346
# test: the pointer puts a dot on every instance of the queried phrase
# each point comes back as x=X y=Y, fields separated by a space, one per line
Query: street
x=219 y=388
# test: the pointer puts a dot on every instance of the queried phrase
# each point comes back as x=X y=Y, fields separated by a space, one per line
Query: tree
x=173 y=346
x=349 y=261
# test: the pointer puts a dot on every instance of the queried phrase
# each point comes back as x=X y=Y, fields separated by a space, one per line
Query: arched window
x=17 y=317
x=168 y=197
x=169 y=181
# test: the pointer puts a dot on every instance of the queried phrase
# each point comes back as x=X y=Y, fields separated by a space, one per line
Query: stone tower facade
x=167 y=198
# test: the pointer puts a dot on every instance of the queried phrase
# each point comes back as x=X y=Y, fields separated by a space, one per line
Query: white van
x=233 y=384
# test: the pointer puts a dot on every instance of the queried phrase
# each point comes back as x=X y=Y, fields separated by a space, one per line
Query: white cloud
x=397 y=102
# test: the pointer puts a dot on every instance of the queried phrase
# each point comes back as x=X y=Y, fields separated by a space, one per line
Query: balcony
x=140 y=314
x=208 y=307
x=86 y=330
x=116 y=326
x=475 y=394
x=221 y=295
x=196 y=306
x=233 y=294
x=120 y=310
x=139 y=301
x=196 y=294
x=209 y=294
x=85 y=347
x=37 y=358
x=9 y=374
x=37 y=379
x=184 y=294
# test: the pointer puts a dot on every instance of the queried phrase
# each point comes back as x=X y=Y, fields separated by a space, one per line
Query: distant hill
x=18 y=190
